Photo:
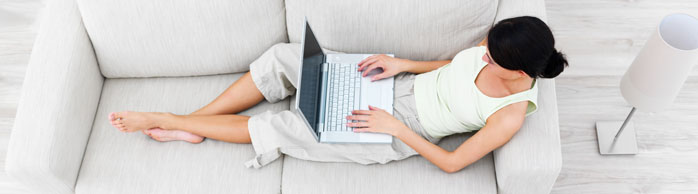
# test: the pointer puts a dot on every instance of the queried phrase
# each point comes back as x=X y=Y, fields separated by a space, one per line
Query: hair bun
x=555 y=65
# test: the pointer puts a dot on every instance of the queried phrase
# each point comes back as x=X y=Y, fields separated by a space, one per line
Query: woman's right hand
x=390 y=65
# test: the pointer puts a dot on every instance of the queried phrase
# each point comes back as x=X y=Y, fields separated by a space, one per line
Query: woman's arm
x=500 y=127
x=497 y=132
x=483 y=42
x=418 y=67
x=392 y=66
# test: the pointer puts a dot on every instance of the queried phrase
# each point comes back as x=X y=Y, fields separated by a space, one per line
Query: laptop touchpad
x=370 y=93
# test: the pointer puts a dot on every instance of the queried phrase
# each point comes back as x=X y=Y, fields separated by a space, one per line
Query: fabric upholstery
x=118 y=162
x=531 y=161
x=513 y=8
x=412 y=29
x=61 y=91
x=134 y=38
x=411 y=175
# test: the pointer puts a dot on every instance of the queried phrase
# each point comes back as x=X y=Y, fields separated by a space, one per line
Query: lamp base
x=626 y=143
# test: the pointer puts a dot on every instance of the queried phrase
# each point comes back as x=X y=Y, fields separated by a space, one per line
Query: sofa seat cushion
x=134 y=38
x=412 y=29
x=412 y=175
x=118 y=162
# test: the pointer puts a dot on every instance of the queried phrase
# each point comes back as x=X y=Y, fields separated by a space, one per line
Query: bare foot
x=172 y=135
x=128 y=121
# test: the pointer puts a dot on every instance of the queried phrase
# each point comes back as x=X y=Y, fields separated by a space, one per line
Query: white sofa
x=92 y=57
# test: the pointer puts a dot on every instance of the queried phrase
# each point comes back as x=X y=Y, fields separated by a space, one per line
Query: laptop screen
x=311 y=79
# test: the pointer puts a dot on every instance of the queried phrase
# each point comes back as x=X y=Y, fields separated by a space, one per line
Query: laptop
x=330 y=87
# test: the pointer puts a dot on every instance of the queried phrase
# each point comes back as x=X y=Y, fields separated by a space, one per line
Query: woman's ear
x=522 y=73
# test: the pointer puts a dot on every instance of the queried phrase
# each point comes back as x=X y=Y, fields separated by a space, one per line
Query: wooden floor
x=600 y=37
x=17 y=32
x=667 y=141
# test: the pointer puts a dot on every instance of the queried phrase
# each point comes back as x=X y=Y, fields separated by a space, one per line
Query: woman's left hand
x=375 y=120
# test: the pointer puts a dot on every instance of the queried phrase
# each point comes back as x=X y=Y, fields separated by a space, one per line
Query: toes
x=112 y=119
x=156 y=133
x=117 y=122
x=153 y=132
x=119 y=115
x=148 y=132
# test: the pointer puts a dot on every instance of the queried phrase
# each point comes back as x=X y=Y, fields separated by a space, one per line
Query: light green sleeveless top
x=449 y=102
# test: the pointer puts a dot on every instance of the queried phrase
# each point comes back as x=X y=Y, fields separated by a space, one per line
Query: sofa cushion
x=413 y=29
x=134 y=38
x=118 y=162
x=412 y=175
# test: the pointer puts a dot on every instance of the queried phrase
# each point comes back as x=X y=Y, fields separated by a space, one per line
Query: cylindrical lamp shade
x=662 y=66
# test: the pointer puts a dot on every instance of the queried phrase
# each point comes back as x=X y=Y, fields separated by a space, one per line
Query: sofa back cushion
x=413 y=29
x=134 y=38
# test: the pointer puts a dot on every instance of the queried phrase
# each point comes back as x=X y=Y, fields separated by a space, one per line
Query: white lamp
x=653 y=80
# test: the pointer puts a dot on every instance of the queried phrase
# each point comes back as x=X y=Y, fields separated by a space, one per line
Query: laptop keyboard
x=344 y=83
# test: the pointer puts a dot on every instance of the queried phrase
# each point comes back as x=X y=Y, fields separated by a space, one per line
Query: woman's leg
x=277 y=68
x=241 y=95
x=228 y=128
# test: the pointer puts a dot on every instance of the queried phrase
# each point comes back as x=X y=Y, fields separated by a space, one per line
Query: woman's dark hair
x=525 y=43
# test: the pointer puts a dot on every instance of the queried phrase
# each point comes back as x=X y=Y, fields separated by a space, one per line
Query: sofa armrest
x=530 y=162
x=59 y=99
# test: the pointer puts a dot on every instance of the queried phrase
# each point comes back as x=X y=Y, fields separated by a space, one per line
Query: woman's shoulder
x=470 y=55
x=476 y=50
x=470 y=60
x=511 y=113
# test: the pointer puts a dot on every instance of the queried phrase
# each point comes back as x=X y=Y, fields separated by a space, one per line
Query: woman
x=491 y=88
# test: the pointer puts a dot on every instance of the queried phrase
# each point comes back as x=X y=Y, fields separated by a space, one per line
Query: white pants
x=275 y=74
